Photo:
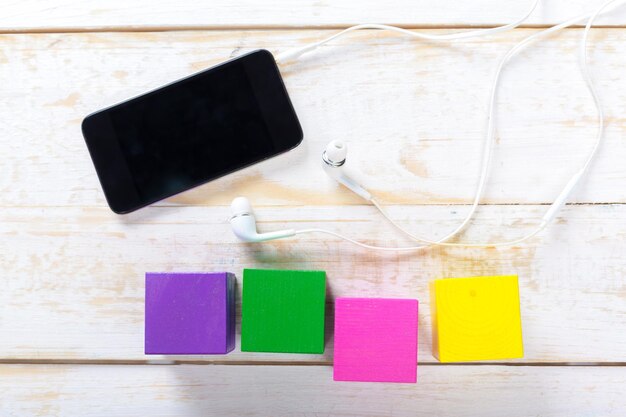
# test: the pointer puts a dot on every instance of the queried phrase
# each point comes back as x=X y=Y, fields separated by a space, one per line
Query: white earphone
x=333 y=163
x=244 y=223
x=334 y=156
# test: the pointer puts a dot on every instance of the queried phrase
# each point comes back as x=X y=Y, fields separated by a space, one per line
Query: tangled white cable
x=243 y=221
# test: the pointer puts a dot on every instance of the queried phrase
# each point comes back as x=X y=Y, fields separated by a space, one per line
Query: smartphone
x=191 y=131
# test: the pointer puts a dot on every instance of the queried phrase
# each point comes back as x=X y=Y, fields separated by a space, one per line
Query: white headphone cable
x=294 y=53
x=491 y=134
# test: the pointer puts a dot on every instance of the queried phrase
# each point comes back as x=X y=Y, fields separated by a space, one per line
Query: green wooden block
x=283 y=311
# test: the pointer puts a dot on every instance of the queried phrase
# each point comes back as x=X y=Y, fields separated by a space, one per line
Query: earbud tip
x=336 y=151
x=241 y=205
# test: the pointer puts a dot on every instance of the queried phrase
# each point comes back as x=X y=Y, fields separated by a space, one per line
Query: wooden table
x=72 y=299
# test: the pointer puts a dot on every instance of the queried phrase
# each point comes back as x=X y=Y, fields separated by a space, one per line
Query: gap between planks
x=173 y=205
x=187 y=28
x=169 y=362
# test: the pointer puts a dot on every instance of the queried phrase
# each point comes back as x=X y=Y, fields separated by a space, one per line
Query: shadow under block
x=190 y=313
x=283 y=311
x=375 y=340
x=476 y=319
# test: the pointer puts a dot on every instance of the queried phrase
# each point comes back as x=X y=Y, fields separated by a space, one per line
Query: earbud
x=334 y=158
x=244 y=223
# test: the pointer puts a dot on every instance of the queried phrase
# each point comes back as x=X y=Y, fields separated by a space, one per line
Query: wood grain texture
x=476 y=319
x=74 y=269
x=140 y=14
x=159 y=391
x=375 y=339
x=414 y=115
x=73 y=286
x=283 y=311
x=427 y=148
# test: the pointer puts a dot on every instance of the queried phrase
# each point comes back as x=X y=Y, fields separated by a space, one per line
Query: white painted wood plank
x=75 y=270
x=73 y=278
x=135 y=14
x=186 y=390
x=413 y=114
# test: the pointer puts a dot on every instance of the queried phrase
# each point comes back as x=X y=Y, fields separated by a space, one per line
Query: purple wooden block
x=190 y=313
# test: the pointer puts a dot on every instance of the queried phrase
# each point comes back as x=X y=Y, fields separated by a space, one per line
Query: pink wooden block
x=375 y=340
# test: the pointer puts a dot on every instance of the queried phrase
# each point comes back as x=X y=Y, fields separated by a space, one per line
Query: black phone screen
x=191 y=131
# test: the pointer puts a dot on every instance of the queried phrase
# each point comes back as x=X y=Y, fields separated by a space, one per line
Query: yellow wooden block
x=476 y=319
